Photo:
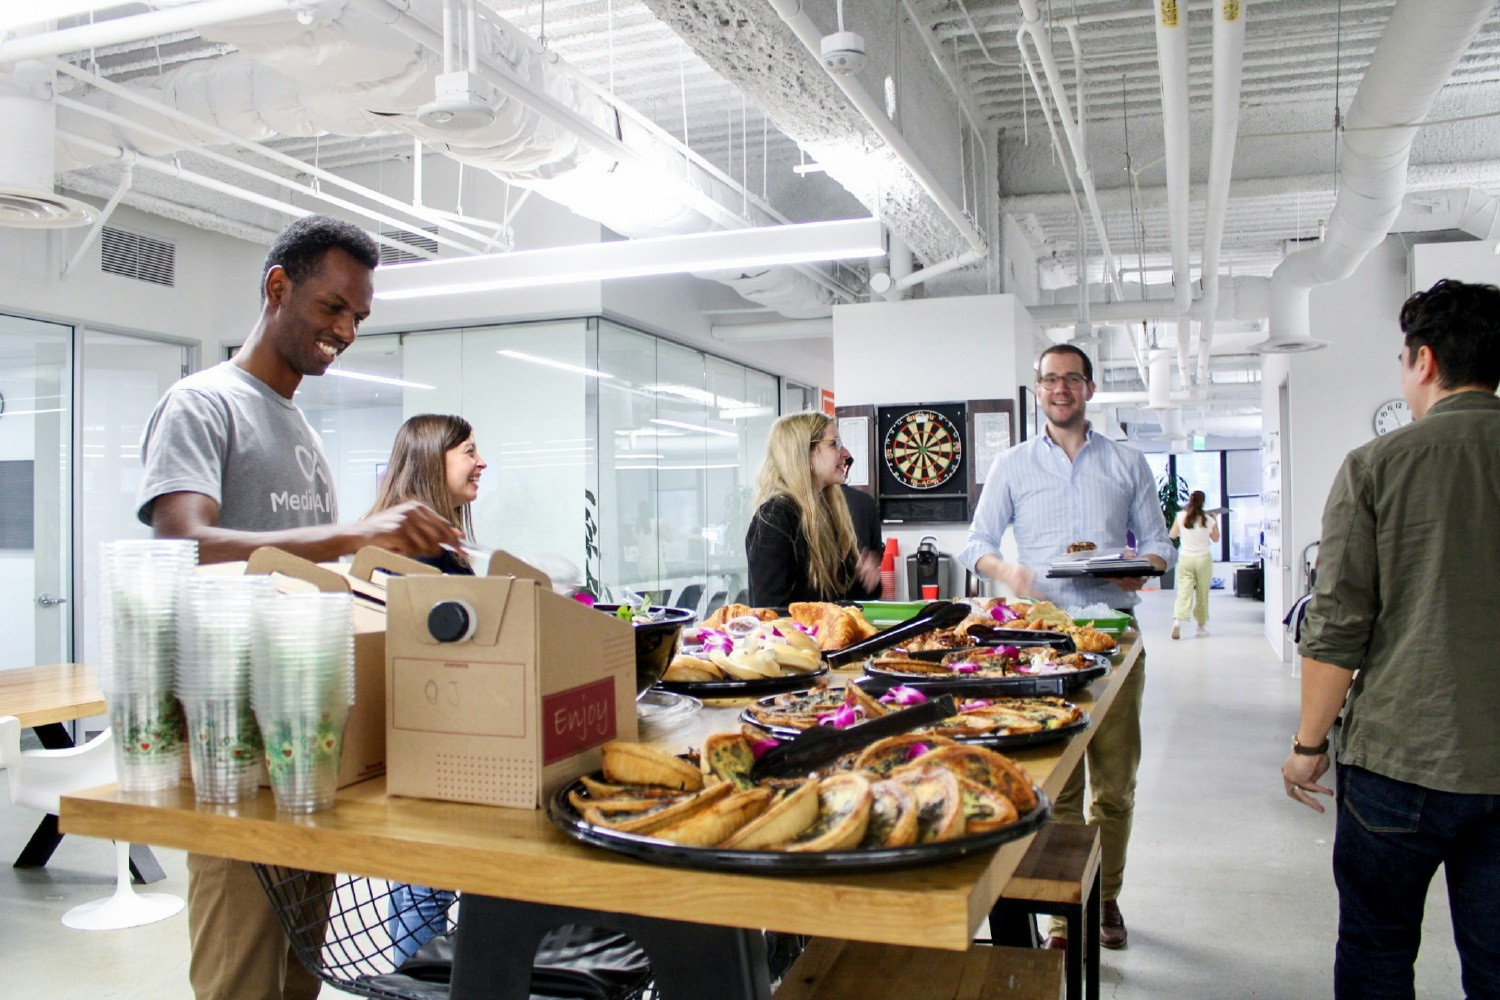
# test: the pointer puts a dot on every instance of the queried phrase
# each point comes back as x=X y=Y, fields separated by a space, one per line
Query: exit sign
x=1200 y=442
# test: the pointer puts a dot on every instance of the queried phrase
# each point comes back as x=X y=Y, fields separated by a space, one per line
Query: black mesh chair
x=690 y=596
x=340 y=927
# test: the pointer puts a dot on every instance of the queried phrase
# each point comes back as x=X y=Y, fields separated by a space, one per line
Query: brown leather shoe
x=1056 y=943
x=1111 y=925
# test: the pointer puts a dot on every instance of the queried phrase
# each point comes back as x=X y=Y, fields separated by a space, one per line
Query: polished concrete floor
x=1228 y=894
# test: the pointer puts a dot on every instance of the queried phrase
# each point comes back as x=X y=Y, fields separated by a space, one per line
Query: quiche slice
x=843 y=815
x=940 y=813
x=893 y=816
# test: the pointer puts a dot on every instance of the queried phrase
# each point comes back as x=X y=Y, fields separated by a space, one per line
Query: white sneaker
x=1202 y=631
x=1176 y=630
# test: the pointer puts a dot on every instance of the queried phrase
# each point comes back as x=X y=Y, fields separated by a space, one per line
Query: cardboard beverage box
x=363 y=753
x=498 y=690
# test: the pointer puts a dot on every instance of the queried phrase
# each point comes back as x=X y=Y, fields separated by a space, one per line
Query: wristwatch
x=1302 y=751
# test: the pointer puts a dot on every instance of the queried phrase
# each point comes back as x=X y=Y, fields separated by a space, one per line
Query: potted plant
x=1172 y=491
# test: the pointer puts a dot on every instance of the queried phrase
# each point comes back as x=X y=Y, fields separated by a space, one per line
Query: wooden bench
x=1059 y=874
x=851 y=970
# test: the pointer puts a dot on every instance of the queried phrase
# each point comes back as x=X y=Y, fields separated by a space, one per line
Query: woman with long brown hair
x=801 y=544
x=1195 y=563
x=435 y=461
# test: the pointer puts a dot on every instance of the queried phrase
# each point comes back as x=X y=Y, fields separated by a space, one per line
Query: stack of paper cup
x=213 y=683
x=301 y=685
x=139 y=617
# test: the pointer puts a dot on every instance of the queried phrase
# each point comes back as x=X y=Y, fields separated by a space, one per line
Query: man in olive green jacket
x=1405 y=613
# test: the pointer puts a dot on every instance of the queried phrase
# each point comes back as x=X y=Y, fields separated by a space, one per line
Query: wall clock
x=923 y=449
x=1391 y=415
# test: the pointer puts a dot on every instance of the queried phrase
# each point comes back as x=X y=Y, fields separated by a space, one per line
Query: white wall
x=215 y=300
x=1333 y=396
x=930 y=350
x=1469 y=260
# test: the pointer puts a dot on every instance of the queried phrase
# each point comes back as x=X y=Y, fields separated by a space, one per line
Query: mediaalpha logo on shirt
x=311 y=499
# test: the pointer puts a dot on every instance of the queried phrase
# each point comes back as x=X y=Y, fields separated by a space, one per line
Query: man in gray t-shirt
x=231 y=463
x=224 y=434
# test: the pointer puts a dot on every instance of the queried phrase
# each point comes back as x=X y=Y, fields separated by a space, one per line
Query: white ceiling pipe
x=1421 y=45
x=942 y=267
x=199 y=180
x=1159 y=387
x=274 y=179
x=139 y=99
x=189 y=17
x=1032 y=25
x=1172 y=55
x=801 y=291
x=1229 y=56
x=799 y=329
x=1244 y=297
x=811 y=37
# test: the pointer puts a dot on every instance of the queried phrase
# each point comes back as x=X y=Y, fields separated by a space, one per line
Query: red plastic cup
x=929 y=592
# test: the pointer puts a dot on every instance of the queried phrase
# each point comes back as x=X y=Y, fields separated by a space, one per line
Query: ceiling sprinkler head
x=843 y=52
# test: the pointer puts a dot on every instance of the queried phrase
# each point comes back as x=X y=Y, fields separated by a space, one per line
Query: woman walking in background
x=1197 y=529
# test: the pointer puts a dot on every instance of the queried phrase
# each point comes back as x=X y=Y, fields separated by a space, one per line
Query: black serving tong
x=818 y=745
x=995 y=635
x=938 y=614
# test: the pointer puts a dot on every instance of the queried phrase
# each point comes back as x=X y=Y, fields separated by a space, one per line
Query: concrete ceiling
x=712 y=75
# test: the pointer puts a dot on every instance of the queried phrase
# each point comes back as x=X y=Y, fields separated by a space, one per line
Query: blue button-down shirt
x=1051 y=502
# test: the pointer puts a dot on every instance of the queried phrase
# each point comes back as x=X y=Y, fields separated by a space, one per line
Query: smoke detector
x=843 y=52
x=460 y=101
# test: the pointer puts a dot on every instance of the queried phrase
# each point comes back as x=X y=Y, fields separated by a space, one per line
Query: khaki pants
x=1112 y=758
x=239 y=950
x=1195 y=575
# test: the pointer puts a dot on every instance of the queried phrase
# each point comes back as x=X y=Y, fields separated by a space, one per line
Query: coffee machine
x=929 y=567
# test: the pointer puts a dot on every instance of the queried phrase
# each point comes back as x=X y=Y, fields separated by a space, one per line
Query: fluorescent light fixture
x=637 y=455
x=378 y=379
x=563 y=365
x=713 y=251
x=694 y=427
x=673 y=468
x=744 y=412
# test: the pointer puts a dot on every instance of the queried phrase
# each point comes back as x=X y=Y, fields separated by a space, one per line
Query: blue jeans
x=415 y=915
x=1391 y=838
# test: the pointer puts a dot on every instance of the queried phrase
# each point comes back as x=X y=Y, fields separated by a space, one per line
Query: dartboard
x=923 y=449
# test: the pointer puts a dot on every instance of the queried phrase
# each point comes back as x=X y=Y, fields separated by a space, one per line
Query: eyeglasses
x=1074 y=380
x=832 y=441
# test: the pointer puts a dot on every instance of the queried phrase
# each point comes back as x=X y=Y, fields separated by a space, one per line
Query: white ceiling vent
x=417 y=240
x=143 y=258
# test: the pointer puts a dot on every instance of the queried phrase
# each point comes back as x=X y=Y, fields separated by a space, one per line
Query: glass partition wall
x=617 y=460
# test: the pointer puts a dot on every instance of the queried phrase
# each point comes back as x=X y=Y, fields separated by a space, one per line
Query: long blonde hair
x=419 y=467
x=826 y=526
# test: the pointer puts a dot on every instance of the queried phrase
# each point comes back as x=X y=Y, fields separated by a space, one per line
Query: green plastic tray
x=1113 y=624
x=885 y=613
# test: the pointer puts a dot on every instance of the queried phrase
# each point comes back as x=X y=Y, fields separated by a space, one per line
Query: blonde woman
x=435 y=461
x=801 y=544
x=1195 y=563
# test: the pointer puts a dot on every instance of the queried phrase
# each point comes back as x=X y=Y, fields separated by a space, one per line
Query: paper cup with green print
x=148 y=740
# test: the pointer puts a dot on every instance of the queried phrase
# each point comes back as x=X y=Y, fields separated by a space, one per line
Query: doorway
x=36 y=403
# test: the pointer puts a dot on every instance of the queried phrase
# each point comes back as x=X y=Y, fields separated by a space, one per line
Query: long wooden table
x=519 y=855
x=43 y=698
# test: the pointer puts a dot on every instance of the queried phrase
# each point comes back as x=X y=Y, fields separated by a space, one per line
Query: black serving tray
x=878 y=681
x=995 y=742
x=718 y=859
x=733 y=688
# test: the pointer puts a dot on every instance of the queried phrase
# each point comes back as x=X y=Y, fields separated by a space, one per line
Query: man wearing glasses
x=1070 y=484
